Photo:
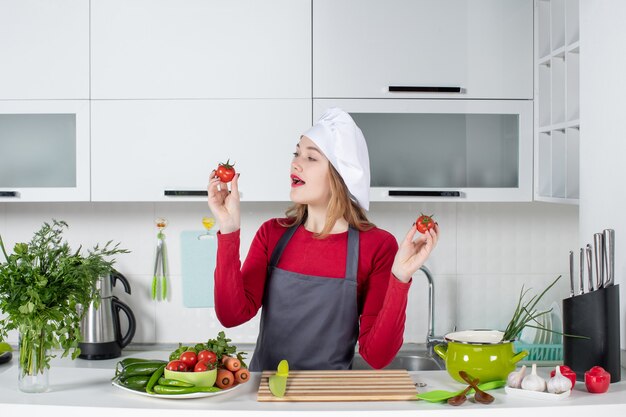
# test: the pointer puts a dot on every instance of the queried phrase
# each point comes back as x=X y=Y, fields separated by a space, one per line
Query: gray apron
x=311 y=321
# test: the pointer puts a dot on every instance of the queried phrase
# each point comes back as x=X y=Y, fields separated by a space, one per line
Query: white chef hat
x=342 y=142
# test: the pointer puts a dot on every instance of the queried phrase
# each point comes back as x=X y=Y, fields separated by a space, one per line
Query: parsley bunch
x=42 y=285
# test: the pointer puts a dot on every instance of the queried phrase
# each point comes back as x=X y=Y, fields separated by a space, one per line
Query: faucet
x=431 y=340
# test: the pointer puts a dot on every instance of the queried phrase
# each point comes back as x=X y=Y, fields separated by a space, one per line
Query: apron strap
x=282 y=244
x=352 y=256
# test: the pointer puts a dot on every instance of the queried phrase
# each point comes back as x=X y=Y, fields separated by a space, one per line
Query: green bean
x=169 y=390
x=154 y=378
x=174 y=383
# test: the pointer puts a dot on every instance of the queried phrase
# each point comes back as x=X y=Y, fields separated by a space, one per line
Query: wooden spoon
x=462 y=397
x=480 y=395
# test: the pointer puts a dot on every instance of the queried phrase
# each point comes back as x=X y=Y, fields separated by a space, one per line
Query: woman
x=324 y=275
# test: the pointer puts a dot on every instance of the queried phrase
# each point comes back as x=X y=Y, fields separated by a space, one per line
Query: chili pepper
x=154 y=378
x=169 y=390
x=174 y=383
x=141 y=368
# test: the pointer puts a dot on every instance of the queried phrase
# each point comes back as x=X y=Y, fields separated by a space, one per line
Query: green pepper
x=137 y=382
x=154 y=378
x=169 y=390
x=141 y=368
x=174 y=383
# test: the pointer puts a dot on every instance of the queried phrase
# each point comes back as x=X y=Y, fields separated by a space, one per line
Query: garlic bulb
x=559 y=383
x=514 y=380
x=534 y=382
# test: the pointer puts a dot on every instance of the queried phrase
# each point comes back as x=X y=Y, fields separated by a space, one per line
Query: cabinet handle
x=415 y=193
x=9 y=194
x=422 y=89
x=185 y=193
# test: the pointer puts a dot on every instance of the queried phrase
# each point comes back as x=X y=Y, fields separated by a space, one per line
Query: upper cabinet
x=465 y=49
x=44 y=49
x=170 y=49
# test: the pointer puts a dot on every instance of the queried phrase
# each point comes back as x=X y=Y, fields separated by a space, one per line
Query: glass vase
x=33 y=361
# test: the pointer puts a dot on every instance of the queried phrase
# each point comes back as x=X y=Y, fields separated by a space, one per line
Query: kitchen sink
x=408 y=362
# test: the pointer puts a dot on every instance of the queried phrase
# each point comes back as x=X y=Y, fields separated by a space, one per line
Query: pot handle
x=441 y=350
x=519 y=356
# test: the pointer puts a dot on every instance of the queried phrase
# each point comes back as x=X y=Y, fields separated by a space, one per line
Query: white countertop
x=83 y=388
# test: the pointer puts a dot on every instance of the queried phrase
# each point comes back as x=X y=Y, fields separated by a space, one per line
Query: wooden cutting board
x=362 y=385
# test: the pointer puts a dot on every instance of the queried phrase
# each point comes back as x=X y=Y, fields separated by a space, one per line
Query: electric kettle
x=100 y=327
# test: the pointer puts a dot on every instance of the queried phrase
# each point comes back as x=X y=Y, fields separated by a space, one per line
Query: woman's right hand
x=224 y=204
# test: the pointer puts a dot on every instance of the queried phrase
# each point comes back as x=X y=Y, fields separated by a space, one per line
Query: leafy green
x=43 y=283
x=220 y=346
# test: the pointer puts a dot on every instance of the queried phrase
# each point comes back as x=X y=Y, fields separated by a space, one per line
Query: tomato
x=201 y=367
x=189 y=358
x=566 y=372
x=207 y=356
x=176 y=365
x=424 y=223
x=225 y=171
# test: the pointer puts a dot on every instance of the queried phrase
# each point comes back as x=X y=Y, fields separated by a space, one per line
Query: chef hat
x=342 y=142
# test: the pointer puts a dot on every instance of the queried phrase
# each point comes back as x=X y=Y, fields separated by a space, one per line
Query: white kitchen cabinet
x=361 y=48
x=44 y=49
x=445 y=150
x=143 y=148
x=171 y=49
x=557 y=109
x=44 y=146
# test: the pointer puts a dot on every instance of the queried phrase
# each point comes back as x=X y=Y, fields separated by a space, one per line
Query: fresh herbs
x=526 y=313
x=219 y=346
x=42 y=284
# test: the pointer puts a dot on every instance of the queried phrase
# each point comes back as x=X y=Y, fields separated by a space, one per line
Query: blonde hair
x=339 y=206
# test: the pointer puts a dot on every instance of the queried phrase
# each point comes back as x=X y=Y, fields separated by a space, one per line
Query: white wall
x=602 y=136
x=486 y=252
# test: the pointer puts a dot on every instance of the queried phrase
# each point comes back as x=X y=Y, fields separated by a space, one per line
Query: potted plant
x=41 y=284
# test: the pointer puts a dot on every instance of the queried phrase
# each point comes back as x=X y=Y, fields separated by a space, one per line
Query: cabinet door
x=362 y=47
x=445 y=150
x=44 y=49
x=201 y=49
x=143 y=148
x=44 y=146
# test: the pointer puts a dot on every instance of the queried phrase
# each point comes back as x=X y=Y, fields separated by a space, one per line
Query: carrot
x=232 y=364
x=242 y=375
x=225 y=378
x=224 y=358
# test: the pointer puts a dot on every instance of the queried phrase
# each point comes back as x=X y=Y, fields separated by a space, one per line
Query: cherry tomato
x=176 y=365
x=424 y=223
x=225 y=171
x=189 y=358
x=207 y=356
x=566 y=372
x=201 y=367
x=597 y=380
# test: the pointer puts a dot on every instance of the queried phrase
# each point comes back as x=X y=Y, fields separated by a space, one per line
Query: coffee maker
x=100 y=327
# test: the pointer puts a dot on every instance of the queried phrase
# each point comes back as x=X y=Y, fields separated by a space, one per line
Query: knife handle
x=609 y=255
x=571 y=273
x=598 y=249
x=590 y=267
x=581 y=280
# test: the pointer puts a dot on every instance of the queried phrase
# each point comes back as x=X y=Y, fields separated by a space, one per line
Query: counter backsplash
x=485 y=253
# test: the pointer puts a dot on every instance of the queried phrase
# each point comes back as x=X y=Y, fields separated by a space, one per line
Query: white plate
x=557 y=323
x=539 y=334
x=177 y=396
x=528 y=335
x=524 y=393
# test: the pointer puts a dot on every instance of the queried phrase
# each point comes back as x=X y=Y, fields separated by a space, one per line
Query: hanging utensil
x=571 y=273
x=609 y=253
x=159 y=279
x=590 y=267
x=581 y=272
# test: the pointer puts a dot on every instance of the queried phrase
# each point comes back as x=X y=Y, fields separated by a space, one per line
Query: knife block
x=595 y=315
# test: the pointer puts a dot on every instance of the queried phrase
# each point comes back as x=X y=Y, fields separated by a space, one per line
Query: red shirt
x=382 y=298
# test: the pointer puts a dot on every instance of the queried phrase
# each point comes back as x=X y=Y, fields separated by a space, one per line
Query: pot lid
x=482 y=337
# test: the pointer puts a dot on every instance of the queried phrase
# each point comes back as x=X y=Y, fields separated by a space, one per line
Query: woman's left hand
x=412 y=254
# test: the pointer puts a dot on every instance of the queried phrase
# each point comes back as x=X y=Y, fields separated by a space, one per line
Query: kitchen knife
x=581 y=289
x=598 y=249
x=571 y=273
x=590 y=267
x=609 y=255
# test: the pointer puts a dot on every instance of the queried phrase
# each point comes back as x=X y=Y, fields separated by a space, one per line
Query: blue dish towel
x=198 y=253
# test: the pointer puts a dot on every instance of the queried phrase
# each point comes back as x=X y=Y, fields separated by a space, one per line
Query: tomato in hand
x=189 y=358
x=225 y=171
x=207 y=356
x=176 y=365
x=424 y=223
